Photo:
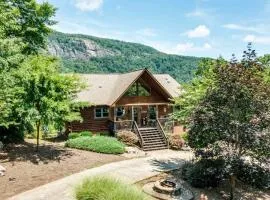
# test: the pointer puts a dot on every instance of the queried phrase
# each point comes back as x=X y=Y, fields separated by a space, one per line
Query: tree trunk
x=232 y=183
x=38 y=130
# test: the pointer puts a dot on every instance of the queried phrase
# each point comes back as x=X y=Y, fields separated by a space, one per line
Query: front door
x=145 y=115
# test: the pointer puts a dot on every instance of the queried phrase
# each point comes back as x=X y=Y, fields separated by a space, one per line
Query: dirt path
x=27 y=169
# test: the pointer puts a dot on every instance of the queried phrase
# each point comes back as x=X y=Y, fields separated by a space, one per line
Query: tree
x=192 y=93
x=10 y=59
x=49 y=97
x=27 y=20
x=231 y=121
x=23 y=31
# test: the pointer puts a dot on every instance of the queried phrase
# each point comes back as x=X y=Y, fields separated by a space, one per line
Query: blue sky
x=184 y=27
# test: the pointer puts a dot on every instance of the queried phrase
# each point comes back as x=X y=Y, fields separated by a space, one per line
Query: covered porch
x=125 y=117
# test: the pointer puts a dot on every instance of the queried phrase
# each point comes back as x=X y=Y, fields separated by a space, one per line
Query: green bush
x=13 y=134
x=203 y=173
x=101 y=188
x=100 y=144
x=81 y=134
x=254 y=175
x=185 y=137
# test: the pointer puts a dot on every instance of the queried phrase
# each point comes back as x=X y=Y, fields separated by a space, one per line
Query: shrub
x=175 y=141
x=203 y=173
x=101 y=188
x=127 y=137
x=81 y=134
x=100 y=144
x=185 y=136
x=13 y=134
x=254 y=175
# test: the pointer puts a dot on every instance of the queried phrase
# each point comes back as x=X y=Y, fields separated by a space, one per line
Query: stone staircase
x=152 y=139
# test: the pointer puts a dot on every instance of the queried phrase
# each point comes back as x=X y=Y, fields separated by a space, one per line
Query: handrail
x=167 y=124
x=162 y=132
x=137 y=132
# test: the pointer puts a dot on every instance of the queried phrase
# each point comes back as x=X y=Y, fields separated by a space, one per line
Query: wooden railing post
x=137 y=132
x=162 y=132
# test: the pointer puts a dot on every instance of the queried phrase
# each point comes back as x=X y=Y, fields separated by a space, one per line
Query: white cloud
x=207 y=46
x=257 y=39
x=183 y=48
x=240 y=27
x=147 y=32
x=88 y=5
x=259 y=28
x=196 y=13
x=199 y=31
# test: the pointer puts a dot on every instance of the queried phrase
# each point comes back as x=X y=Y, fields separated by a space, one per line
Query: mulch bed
x=27 y=169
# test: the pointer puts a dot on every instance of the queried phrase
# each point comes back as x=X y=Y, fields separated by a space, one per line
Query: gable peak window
x=138 y=89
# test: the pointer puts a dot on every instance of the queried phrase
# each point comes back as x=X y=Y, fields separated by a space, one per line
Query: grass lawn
x=27 y=169
x=100 y=144
x=101 y=188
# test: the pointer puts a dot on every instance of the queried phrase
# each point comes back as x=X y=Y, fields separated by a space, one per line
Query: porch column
x=132 y=113
x=157 y=111
x=114 y=114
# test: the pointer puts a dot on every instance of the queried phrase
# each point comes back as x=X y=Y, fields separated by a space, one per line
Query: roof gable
x=106 y=89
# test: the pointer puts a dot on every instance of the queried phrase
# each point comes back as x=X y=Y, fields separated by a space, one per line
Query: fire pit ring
x=167 y=186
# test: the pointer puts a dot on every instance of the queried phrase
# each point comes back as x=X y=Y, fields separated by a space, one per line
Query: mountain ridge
x=89 y=54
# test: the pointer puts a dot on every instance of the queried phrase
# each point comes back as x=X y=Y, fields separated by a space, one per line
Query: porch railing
x=167 y=124
x=123 y=125
x=136 y=130
x=161 y=130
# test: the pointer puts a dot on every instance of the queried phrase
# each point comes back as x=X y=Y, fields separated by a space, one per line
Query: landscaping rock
x=133 y=152
x=2 y=170
x=185 y=194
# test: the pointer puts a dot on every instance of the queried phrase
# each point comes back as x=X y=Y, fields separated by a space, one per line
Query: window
x=138 y=89
x=120 y=111
x=101 y=112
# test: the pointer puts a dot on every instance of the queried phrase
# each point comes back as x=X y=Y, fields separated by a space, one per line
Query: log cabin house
x=138 y=101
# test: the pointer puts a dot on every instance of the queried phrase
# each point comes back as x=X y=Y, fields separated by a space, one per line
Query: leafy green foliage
x=100 y=188
x=255 y=175
x=81 y=134
x=12 y=134
x=195 y=91
x=28 y=21
x=48 y=97
x=204 y=173
x=100 y=144
x=232 y=120
x=120 y=57
x=23 y=31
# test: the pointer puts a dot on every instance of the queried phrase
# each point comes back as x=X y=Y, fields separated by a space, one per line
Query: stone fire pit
x=167 y=189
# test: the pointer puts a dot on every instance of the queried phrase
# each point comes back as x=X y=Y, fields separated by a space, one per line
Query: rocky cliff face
x=89 y=54
x=77 y=49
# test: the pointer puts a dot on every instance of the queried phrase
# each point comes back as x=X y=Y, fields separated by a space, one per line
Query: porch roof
x=105 y=89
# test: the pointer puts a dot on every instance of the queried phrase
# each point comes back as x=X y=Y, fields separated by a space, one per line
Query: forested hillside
x=88 y=54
